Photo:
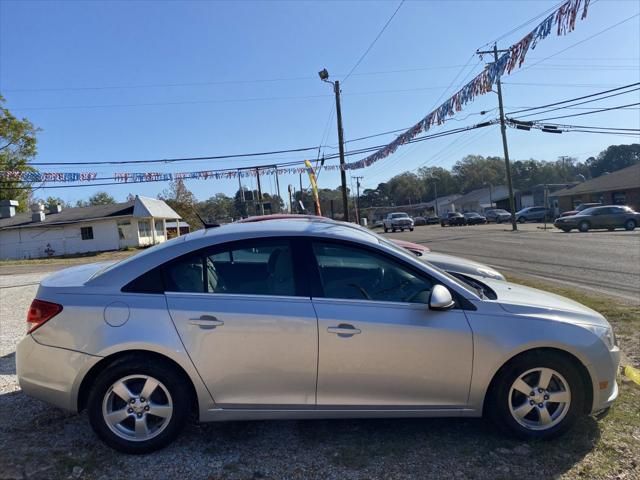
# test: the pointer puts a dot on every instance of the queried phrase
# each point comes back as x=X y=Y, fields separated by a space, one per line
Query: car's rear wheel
x=538 y=395
x=584 y=226
x=138 y=407
x=630 y=224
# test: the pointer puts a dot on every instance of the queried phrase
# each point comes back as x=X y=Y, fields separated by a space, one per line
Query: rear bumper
x=52 y=374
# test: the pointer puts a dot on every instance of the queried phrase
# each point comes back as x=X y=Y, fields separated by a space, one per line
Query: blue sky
x=108 y=81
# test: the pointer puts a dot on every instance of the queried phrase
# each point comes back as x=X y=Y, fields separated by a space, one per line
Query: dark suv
x=453 y=219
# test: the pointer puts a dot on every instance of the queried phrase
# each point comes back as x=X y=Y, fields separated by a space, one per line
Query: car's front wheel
x=538 y=395
x=137 y=406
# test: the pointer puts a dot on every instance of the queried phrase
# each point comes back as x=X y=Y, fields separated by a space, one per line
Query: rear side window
x=150 y=282
x=256 y=267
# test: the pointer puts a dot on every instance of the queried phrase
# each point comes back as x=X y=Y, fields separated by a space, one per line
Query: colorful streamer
x=564 y=18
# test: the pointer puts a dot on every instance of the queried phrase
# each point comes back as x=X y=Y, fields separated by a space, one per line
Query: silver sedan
x=289 y=319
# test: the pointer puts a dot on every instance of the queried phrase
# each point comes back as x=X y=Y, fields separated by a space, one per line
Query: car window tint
x=354 y=273
x=185 y=275
x=261 y=269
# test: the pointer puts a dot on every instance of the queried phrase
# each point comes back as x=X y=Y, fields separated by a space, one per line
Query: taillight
x=41 y=312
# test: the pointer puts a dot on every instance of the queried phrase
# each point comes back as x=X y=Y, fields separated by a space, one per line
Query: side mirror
x=440 y=298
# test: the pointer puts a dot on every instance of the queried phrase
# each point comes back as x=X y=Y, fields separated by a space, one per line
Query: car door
x=246 y=322
x=602 y=218
x=379 y=344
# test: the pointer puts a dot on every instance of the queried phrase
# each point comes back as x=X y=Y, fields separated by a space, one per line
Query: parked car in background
x=452 y=219
x=305 y=320
x=474 y=218
x=433 y=220
x=419 y=221
x=533 y=214
x=579 y=208
x=609 y=217
x=497 y=215
x=398 y=221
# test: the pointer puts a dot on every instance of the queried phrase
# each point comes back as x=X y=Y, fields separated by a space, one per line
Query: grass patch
x=73 y=259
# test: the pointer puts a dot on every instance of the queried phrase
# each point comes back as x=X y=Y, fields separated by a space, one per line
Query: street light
x=324 y=76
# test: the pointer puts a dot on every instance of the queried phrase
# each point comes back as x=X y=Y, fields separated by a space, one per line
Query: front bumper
x=605 y=372
x=52 y=374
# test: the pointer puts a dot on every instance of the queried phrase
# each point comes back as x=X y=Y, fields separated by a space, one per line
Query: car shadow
x=8 y=364
x=314 y=449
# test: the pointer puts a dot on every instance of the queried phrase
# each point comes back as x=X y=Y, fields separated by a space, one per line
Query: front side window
x=86 y=233
x=353 y=273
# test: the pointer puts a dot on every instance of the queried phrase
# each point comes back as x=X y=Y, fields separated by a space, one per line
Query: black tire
x=393 y=230
x=522 y=220
x=174 y=381
x=499 y=397
x=386 y=230
x=584 y=226
x=442 y=224
x=411 y=229
x=630 y=225
x=402 y=229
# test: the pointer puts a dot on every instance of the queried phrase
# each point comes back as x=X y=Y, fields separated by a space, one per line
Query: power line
x=374 y=41
x=527 y=109
x=588 y=113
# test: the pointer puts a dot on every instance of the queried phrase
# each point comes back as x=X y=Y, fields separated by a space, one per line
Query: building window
x=619 y=198
x=144 y=228
x=86 y=233
x=159 y=228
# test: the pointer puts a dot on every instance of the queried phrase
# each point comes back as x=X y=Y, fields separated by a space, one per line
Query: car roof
x=148 y=259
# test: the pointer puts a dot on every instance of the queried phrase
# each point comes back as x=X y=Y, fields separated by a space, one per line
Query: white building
x=138 y=223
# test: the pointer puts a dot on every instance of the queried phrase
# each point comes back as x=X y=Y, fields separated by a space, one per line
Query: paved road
x=607 y=262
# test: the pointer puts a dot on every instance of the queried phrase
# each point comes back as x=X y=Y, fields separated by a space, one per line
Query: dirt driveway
x=41 y=442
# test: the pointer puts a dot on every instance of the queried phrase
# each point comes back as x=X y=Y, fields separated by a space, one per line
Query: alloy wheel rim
x=137 y=407
x=539 y=399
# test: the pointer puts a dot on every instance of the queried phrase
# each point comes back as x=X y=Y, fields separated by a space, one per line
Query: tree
x=101 y=198
x=616 y=157
x=51 y=202
x=182 y=200
x=438 y=179
x=476 y=171
x=17 y=148
x=218 y=207
x=405 y=188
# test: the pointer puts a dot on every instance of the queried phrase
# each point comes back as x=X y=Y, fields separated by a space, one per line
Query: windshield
x=399 y=215
x=588 y=211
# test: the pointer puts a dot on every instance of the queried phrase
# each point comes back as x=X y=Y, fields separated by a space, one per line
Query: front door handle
x=206 y=322
x=344 y=330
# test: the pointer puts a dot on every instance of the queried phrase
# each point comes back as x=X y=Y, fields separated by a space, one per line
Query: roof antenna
x=205 y=224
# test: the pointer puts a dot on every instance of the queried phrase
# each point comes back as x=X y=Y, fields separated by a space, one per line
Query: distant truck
x=398 y=221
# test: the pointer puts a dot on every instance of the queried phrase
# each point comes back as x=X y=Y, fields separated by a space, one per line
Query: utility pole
x=277 y=188
x=290 y=201
x=343 y=174
x=505 y=147
x=358 y=199
x=260 y=192
x=324 y=76
x=435 y=193
x=564 y=158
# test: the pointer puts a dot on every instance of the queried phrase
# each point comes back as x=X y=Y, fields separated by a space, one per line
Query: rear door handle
x=344 y=330
x=206 y=322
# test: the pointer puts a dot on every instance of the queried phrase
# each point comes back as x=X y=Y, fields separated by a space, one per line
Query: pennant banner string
x=564 y=21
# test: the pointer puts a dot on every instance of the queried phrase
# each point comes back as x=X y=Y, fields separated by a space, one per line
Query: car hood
x=74 y=276
x=449 y=263
x=522 y=300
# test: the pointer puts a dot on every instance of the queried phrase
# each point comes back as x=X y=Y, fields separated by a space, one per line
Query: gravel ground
x=38 y=441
